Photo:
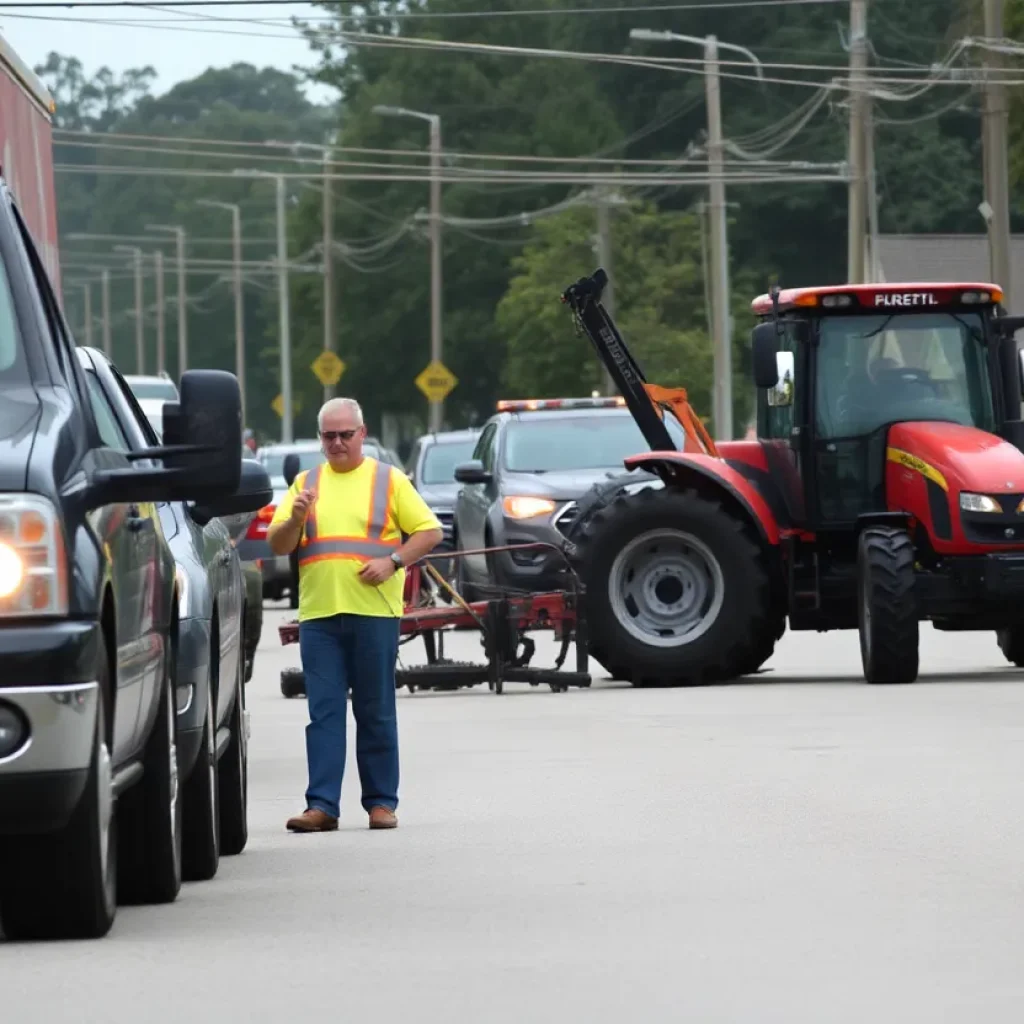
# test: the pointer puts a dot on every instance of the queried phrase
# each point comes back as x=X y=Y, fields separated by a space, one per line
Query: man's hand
x=301 y=506
x=377 y=570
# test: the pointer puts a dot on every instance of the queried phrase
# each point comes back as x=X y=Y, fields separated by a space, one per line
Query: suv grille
x=446 y=517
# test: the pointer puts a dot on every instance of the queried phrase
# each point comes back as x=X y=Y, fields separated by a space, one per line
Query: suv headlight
x=522 y=507
x=979 y=503
x=33 y=560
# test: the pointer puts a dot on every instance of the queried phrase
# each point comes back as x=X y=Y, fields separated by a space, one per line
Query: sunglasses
x=338 y=435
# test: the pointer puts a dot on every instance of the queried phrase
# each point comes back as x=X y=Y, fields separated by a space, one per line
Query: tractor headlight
x=979 y=503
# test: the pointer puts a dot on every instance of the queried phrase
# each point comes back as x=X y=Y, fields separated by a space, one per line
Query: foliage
x=504 y=268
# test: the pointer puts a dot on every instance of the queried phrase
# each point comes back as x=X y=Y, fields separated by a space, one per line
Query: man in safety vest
x=346 y=518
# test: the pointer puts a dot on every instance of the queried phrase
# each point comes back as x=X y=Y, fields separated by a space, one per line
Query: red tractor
x=885 y=487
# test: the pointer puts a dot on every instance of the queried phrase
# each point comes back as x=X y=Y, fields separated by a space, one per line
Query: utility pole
x=328 y=217
x=285 y=315
x=604 y=259
x=236 y=249
x=997 y=189
x=721 y=405
x=87 y=295
x=874 y=265
x=105 y=302
x=161 y=346
x=436 y=291
x=859 y=100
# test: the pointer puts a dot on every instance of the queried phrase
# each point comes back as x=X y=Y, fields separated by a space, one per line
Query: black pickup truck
x=90 y=812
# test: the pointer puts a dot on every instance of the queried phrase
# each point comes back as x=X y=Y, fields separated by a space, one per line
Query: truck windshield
x=879 y=369
x=554 y=443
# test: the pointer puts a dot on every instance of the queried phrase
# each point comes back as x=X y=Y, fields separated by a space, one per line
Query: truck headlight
x=33 y=562
x=523 y=507
x=979 y=503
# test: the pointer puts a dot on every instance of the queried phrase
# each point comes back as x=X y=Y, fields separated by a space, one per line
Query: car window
x=273 y=462
x=148 y=435
x=484 y=450
x=441 y=459
x=12 y=362
x=106 y=421
x=164 y=389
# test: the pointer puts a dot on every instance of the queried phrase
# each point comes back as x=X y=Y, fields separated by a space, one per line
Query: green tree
x=660 y=307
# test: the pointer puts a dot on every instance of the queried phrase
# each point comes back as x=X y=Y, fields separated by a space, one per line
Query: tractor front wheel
x=678 y=589
x=887 y=610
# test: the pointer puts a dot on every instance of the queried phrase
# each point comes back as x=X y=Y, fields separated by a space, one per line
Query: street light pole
x=87 y=295
x=105 y=302
x=436 y=281
x=859 y=100
x=718 y=234
x=236 y=244
x=328 y=218
x=179 y=238
x=284 y=313
x=140 y=357
x=161 y=347
x=994 y=140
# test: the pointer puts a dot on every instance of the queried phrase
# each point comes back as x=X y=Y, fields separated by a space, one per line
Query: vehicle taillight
x=258 y=527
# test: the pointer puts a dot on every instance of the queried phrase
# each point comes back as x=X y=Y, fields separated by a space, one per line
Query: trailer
x=503 y=620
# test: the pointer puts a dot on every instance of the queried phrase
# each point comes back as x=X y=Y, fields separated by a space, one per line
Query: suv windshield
x=874 y=370
x=440 y=460
x=577 y=442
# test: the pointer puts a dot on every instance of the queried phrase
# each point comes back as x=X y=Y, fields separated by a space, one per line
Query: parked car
x=152 y=392
x=254 y=547
x=211 y=717
x=534 y=460
x=431 y=468
x=90 y=627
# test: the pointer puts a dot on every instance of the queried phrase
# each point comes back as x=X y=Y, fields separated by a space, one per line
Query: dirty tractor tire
x=887 y=611
x=678 y=589
x=1011 y=643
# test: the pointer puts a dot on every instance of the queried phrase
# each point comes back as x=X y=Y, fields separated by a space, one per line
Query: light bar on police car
x=534 y=404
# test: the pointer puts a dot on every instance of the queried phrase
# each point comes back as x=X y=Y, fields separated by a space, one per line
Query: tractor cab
x=837 y=368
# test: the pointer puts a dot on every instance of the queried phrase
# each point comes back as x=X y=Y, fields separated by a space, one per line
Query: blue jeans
x=356 y=652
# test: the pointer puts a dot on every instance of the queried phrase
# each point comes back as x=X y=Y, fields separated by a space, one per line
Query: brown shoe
x=312 y=820
x=383 y=817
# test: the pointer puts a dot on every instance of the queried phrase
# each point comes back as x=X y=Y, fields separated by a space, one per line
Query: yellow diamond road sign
x=328 y=368
x=437 y=382
x=278 y=405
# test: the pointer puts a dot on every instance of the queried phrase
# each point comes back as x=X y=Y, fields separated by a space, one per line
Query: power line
x=699 y=5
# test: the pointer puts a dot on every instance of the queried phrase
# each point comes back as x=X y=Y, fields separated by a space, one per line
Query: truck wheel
x=887 y=610
x=1011 y=643
x=63 y=885
x=150 y=812
x=678 y=592
x=200 y=833
x=234 y=781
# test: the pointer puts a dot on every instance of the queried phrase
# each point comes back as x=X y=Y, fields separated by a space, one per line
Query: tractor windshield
x=879 y=369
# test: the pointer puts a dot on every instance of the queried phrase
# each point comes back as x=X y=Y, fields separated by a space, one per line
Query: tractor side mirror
x=781 y=393
x=764 y=341
x=290 y=469
x=1008 y=326
x=1020 y=364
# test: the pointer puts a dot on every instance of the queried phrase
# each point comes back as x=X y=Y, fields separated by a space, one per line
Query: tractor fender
x=676 y=468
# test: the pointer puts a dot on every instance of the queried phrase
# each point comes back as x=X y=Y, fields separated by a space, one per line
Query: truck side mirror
x=764 y=342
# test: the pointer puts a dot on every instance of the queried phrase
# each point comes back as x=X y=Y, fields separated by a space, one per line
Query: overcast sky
x=180 y=44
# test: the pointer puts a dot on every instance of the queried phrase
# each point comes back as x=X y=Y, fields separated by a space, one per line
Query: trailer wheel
x=678 y=592
x=887 y=610
x=1011 y=643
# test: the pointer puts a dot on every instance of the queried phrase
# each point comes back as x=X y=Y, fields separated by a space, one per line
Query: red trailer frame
x=503 y=621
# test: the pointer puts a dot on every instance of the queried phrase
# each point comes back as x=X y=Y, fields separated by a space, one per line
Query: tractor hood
x=967 y=459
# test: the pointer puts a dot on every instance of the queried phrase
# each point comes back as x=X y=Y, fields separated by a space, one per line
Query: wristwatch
x=397 y=559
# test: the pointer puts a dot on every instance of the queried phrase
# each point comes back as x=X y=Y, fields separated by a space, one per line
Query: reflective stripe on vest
x=370 y=545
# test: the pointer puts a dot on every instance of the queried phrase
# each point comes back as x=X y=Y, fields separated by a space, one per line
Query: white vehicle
x=152 y=392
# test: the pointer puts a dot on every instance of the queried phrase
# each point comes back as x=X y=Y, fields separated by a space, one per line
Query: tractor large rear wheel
x=888 y=620
x=678 y=590
x=1011 y=643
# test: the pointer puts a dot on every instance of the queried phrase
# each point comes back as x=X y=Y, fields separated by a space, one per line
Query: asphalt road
x=800 y=847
